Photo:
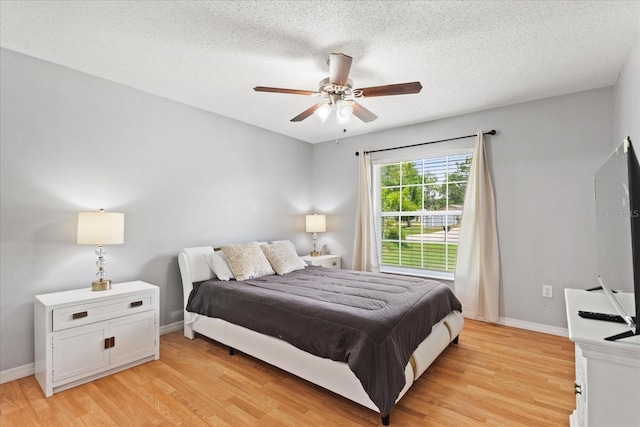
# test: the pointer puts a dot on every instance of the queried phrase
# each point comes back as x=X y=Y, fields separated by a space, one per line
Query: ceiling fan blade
x=339 y=66
x=397 y=89
x=362 y=113
x=280 y=90
x=306 y=113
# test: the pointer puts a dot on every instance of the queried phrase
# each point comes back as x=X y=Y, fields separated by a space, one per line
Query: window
x=419 y=210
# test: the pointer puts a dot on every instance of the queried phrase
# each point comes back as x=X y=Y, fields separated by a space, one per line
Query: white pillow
x=247 y=261
x=219 y=265
x=282 y=258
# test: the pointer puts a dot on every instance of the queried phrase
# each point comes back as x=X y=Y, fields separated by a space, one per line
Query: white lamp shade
x=100 y=228
x=344 y=110
x=323 y=112
x=316 y=223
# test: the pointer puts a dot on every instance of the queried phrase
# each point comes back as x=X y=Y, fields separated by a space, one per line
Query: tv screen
x=617 y=194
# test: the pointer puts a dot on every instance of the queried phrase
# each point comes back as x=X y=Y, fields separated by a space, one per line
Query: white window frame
x=377 y=164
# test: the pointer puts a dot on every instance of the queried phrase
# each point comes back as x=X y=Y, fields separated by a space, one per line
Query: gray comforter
x=373 y=322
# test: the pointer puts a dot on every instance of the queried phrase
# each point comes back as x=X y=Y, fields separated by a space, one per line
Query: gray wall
x=627 y=99
x=542 y=162
x=183 y=177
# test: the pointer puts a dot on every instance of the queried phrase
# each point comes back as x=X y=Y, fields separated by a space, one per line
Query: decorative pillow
x=282 y=258
x=289 y=243
x=293 y=248
x=219 y=265
x=247 y=261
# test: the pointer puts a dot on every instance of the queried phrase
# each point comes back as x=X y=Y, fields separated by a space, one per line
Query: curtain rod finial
x=492 y=132
x=357 y=153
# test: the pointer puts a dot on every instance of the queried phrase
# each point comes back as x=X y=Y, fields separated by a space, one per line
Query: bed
x=362 y=364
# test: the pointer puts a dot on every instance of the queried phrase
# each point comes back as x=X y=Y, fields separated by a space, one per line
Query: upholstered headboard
x=194 y=268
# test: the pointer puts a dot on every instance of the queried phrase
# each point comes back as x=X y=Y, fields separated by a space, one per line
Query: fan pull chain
x=344 y=130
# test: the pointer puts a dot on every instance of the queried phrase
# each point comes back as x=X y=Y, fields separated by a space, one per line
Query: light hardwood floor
x=495 y=376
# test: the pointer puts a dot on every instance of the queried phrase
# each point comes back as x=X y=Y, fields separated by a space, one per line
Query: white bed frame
x=329 y=374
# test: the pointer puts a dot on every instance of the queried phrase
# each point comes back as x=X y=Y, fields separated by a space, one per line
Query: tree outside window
x=420 y=210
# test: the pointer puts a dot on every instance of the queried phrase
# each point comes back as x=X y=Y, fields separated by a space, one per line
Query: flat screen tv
x=617 y=200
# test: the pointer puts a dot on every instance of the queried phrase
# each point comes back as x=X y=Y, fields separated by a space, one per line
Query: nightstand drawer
x=326 y=261
x=70 y=317
x=330 y=263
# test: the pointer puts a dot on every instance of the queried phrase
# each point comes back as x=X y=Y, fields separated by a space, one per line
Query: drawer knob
x=136 y=304
x=79 y=315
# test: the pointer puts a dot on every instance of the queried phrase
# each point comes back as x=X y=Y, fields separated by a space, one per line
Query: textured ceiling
x=469 y=56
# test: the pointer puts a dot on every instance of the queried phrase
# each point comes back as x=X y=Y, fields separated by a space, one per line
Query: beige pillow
x=247 y=261
x=283 y=258
x=287 y=242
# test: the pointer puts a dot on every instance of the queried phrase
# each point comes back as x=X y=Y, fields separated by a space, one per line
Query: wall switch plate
x=547 y=291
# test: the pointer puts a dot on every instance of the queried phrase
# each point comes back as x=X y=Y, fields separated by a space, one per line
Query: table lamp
x=315 y=224
x=100 y=228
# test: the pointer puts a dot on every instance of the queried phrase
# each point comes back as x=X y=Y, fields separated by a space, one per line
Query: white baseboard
x=530 y=326
x=29 y=369
x=17 y=373
x=167 y=329
x=536 y=327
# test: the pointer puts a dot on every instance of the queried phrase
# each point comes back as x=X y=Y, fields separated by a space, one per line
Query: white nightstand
x=82 y=335
x=327 y=261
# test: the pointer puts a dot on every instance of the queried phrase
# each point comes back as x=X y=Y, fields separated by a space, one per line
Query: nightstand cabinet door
x=89 y=349
x=134 y=338
x=79 y=351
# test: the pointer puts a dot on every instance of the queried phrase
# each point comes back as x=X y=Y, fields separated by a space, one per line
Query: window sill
x=436 y=275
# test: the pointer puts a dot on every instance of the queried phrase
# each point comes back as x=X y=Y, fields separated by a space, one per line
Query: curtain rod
x=491 y=132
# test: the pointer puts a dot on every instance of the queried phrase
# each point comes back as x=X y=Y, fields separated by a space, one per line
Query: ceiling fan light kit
x=323 y=111
x=338 y=92
x=343 y=111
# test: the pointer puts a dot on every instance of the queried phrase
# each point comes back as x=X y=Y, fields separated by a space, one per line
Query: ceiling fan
x=337 y=91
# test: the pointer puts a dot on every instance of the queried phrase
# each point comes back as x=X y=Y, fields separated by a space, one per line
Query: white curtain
x=365 y=250
x=477 y=274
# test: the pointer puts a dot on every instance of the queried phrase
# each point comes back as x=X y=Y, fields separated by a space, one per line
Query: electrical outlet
x=547 y=291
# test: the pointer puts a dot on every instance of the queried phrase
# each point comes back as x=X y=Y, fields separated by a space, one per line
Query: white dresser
x=607 y=382
x=81 y=335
